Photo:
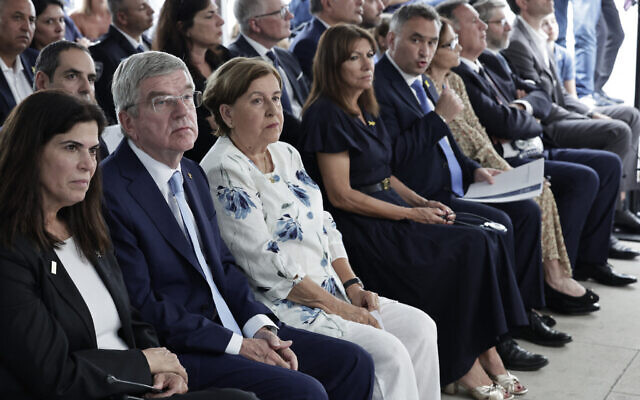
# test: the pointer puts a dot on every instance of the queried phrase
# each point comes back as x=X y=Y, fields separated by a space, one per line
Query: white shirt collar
x=408 y=78
x=161 y=173
x=260 y=49
x=474 y=65
x=538 y=35
x=326 y=25
x=17 y=66
x=134 y=43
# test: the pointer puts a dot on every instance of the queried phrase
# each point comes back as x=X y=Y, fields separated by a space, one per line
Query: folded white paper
x=523 y=182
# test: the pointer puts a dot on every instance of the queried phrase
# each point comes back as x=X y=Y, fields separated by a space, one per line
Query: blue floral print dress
x=276 y=228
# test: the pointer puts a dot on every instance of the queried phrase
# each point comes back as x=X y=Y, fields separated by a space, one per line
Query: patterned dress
x=476 y=144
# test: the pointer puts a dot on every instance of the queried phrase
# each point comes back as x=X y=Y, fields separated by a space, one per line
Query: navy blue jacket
x=107 y=54
x=418 y=160
x=305 y=43
x=7 y=102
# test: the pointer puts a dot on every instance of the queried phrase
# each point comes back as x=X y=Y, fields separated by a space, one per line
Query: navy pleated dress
x=461 y=276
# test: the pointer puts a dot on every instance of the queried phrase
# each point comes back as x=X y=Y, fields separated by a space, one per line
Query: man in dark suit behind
x=325 y=13
x=130 y=18
x=263 y=23
x=17 y=24
x=180 y=274
x=420 y=161
x=585 y=182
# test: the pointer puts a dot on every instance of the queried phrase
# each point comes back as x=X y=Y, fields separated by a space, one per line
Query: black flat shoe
x=548 y=320
x=603 y=273
x=539 y=333
x=571 y=305
x=516 y=358
x=619 y=251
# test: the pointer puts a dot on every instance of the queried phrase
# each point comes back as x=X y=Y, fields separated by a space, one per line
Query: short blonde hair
x=229 y=82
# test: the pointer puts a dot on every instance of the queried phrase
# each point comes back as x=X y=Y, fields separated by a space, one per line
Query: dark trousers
x=329 y=368
x=523 y=222
x=216 y=394
x=585 y=185
x=609 y=39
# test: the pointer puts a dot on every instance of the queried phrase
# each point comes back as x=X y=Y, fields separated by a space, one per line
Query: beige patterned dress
x=476 y=144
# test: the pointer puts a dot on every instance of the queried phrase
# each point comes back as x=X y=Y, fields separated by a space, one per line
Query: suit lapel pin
x=371 y=123
x=189 y=173
x=426 y=83
x=54 y=267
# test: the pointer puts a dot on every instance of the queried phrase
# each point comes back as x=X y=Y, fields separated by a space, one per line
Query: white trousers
x=405 y=354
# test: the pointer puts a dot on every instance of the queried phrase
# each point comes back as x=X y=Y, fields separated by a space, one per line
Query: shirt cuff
x=526 y=105
x=234 y=345
x=255 y=323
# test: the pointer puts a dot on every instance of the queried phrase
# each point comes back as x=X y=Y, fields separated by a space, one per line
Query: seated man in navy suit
x=585 y=182
x=420 y=136
x=17 y=24
x=263 y=23
x=129 y=20
x=180 y=274
x=325 y=13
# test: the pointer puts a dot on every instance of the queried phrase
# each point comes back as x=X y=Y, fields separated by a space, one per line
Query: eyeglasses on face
x=451 y=45
x=282 y=12
x=166 y=103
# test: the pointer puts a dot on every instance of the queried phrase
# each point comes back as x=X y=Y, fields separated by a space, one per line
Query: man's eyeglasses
x=167 y=103
x=502 y=22
x=451 y=45
x=283 y=11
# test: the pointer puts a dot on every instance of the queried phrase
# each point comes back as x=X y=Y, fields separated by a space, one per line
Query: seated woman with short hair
x=271 y=216
x=68 y=331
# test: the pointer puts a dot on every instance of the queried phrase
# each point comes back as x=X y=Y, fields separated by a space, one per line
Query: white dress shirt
x=16 y=79
x=161 y=173
x=133 y=42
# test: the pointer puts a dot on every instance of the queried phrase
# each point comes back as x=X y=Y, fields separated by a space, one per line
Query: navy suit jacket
x=502 y=120
x=305 y=43
x=291 y=129
x=7 y=102
x=161 y=271
x=107 y=54
x=418 y=160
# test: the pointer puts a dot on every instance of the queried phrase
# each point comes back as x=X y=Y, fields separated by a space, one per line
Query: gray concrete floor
x=603 y=361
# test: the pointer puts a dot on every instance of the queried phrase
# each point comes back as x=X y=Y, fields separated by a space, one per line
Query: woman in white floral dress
x=271 y=216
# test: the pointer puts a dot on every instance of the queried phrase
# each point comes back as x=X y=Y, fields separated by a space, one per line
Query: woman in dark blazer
x=68 y=331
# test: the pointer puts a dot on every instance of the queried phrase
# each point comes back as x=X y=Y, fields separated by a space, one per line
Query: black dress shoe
x=539 y=333
x=548 y=320
x=620 y=251
x=626 y=221
x=603 y=274
x=571 y=305
x=516 y=358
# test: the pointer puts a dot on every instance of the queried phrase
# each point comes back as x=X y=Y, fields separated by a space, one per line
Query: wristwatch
x=350 y=282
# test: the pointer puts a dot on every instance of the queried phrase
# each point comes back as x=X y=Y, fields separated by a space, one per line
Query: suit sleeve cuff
x=234 y=345
x=526 y=105
x=255 y=323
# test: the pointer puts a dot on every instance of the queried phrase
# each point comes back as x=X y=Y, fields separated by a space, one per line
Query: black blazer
x=299 y=82
x=418 y=160
x=7 y=102
x=500 y=120
x=48 y=344
x=107 y=54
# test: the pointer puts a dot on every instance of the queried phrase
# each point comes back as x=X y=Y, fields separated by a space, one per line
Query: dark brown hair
x=27 y=130
x=231 y=81
x=176 y=17
x=334 y=48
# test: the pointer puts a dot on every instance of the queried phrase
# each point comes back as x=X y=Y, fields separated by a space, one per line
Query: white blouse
x=104 y=314
x=276 y=228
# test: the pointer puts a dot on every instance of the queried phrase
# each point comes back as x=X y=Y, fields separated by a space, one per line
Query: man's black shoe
x=603 y=274
x=539 y=333
x=626 y=221
x=571 y=305
x=619 y=251
x=516 y=358
x=548 y=320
